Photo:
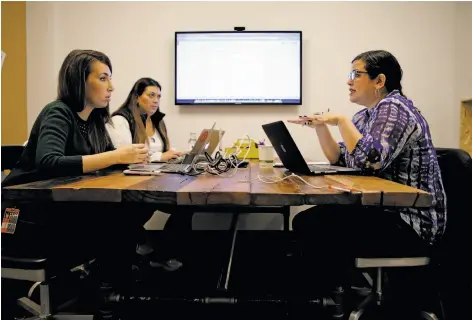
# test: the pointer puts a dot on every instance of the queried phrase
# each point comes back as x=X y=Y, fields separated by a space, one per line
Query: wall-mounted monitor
x=238 y=67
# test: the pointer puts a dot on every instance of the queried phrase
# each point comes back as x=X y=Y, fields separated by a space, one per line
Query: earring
x=377 y=93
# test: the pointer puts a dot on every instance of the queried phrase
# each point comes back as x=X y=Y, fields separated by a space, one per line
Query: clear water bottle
x=220 y=144
x=192 y=140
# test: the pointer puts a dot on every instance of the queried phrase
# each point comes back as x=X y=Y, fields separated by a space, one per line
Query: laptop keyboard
x=175 y=167
x=315 y=167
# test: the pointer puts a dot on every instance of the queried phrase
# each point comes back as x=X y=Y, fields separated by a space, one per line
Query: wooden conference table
x=250 y=189
x=242 y=189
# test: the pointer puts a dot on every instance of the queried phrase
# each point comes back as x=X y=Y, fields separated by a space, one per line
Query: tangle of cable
x=229 y=161
x=277 y=180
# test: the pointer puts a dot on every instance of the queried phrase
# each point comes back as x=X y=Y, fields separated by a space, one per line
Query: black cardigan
x=55 y=147
x=157 y=119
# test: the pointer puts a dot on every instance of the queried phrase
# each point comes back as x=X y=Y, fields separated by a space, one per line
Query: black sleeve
x=55 y=128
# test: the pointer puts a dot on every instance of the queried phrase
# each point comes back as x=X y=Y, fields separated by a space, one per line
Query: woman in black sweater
x=69 y=135
x=68 y=139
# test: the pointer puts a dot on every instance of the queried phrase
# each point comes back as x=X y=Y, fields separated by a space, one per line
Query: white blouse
x=120 y=135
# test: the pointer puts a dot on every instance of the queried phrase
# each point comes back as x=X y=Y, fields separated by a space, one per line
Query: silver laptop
x=206 y=142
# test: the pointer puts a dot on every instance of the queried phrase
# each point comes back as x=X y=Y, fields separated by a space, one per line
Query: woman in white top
x=139 y=120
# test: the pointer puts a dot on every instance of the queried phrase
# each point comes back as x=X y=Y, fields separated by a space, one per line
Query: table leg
x=286 y=214
x=223 y=281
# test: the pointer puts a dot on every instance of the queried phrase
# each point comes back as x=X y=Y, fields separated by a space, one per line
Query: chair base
x=30 y=306
x=43 y=310
x=64 y=317
x=361 y=308
x=35 y=309
x=429 y=316
x=369 y=302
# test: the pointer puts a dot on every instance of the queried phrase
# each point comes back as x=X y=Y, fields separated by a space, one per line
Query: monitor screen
x=233 y=68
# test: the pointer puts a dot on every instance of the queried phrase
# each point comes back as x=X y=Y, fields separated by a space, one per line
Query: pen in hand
x=322 y=112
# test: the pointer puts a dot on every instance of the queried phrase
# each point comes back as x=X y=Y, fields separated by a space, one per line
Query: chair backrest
x=455 y=249
x=456 y=172
x=10 y=156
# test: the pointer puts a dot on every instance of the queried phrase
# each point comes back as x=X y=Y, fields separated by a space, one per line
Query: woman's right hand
x=171 y=154
x=132 y=153
x=307 y=121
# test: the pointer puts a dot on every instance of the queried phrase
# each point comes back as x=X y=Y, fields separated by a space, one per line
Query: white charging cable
x=275 y=180
x=233 y=164
x=203 y=167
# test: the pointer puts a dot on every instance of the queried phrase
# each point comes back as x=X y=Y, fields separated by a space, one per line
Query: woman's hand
x=132 y=153
x=171 y=154
x=328 y=118
x=307 y=121
x=319 y=119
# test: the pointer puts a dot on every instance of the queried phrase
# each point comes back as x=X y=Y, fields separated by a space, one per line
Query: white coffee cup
x=266 y=154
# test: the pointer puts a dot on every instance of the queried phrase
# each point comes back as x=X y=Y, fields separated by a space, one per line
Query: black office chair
x=36 y=267
x=10 y=156
x=456 y=171
x=452 y=259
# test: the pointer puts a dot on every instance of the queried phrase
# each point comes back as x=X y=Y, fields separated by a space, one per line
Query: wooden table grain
x=242 y=188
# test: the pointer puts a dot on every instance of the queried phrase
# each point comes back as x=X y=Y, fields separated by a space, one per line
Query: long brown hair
x=71 y=90
x=131 y=103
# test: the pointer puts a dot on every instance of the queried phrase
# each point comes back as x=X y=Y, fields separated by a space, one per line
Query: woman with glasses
x=390 y=139
x=139 y=120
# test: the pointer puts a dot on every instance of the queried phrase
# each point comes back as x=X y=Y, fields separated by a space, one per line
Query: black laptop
x=291 y=157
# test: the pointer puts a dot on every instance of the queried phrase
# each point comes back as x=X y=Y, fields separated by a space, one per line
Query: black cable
x=219 y=163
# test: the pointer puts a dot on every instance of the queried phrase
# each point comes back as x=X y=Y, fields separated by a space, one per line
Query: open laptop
x=206 y=142
x=291 y=157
